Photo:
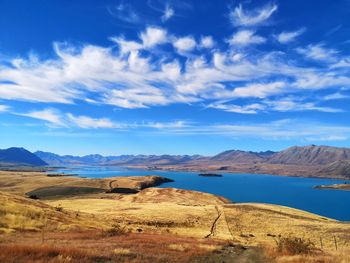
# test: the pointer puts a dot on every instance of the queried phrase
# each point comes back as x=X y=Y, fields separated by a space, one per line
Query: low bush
x=115 y=230
x=295 y=246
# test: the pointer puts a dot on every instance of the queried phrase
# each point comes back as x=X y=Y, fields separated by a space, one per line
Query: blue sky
x=177 y=77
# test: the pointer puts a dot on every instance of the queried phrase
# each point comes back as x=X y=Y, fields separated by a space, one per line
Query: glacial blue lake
x=294 y=192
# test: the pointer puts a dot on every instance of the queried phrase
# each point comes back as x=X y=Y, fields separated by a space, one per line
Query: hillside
x=20 y=213
x=311 y=155
x=19 y=156
x=237 y=156
x=337 y=168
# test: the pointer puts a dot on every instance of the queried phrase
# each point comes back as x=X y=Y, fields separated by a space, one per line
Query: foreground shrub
x=294 y=246
x=115 y=230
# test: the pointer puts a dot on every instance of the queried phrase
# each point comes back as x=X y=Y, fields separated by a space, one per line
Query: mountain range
x=299 y=161
x=96 y=159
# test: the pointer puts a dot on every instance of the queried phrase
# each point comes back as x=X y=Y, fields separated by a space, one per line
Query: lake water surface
x=294 y=192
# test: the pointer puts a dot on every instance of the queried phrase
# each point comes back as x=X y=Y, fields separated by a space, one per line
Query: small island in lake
x=344 y=186
x=210 y=175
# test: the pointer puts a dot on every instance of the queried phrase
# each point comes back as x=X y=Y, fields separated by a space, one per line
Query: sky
x=173 y=77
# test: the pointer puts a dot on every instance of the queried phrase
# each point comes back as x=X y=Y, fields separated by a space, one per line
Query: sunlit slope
x=197 y=214
x=21 y=214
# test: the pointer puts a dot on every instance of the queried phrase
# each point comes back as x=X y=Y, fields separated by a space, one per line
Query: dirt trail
x=213 y=226
x=110 y=184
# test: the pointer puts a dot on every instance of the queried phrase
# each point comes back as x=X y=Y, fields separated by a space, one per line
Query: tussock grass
x=23 y=214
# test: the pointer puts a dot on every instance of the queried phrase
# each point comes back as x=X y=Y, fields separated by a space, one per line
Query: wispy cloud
x=254 y=17
x=168 y=13
x=3 y=108
x=86 y=122
x=245 y=38
x=333 y=30
x=51 y=116
x=279 y=129
x=131 y=74
x=318 y=52
x=124 y=13
x=286 y=37
x=57 y=119
x=287 y=104
x=303 y=130
x=336 y=96
x=245 y=109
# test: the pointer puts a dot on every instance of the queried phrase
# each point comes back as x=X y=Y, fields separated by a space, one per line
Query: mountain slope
x=237 y=156
x=19 y=156
x=338 y=168
x=310 y=155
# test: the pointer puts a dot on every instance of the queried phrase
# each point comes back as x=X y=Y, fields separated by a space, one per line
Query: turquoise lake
x=294 y=192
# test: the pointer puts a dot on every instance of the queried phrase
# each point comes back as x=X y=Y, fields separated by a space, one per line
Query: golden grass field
x=191 y=224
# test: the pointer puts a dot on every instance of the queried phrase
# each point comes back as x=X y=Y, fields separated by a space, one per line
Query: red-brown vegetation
x=95 y=246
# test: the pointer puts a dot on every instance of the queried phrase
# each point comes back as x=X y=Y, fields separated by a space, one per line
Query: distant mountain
x=19 y=156
x=61 y=160
x=237 y=156
x=96 y=159
x=310 y=155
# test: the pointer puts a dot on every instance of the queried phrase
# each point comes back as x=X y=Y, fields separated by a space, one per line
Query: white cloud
x=245 y=38
x=68 y=120
x=259 y=90
x=126 y=46
x=318 y=52
x=132 y=74
x=153 y=36
x=246 y=109
x=291 y=104
x=136 y=97
x=286 y=37
x=258 y=16
x=330 y=138
x=286 y=104
x=49 y=115
x=207 y=42
x=124 y=13
x=86 y=122
x=315 y=80
x=342 y=63
x=166 y=125
x=336 y=96
x=168 y=13
x=185 y=44
x=137 y=63
x=172 y=70
x=3 y=108
x=303 y=130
